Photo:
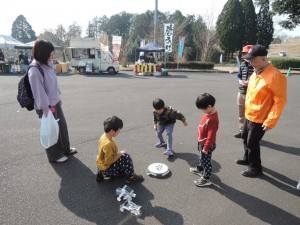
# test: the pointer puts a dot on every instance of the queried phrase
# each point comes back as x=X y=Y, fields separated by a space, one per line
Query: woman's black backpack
x=25 y=97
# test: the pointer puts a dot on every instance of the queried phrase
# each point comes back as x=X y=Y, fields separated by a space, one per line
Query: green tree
x=183 y=26
x=91 y=30
x=22 y=30
x=74 y=30
x=230 y=27
x=94 y=26
x=250 y=35
x=118 y=24
x=291 y=8
x=143 y=25
x=265 y=27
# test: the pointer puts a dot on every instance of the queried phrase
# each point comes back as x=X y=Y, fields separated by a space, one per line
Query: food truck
x=87 y=57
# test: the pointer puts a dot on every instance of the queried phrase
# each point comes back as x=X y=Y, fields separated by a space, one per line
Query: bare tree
x=59 y=37
x=126 y=46
x=180 y=29
x=205 y=37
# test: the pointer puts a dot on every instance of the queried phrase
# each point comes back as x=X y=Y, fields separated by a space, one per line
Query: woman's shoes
x=62 y=159
x=72 y=151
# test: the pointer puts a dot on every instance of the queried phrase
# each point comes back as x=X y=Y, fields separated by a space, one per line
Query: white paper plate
x=158 y=170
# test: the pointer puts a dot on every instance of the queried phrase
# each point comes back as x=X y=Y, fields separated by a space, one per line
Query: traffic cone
x=288 y=74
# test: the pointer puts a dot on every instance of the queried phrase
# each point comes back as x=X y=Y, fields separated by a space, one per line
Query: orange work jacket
x=266 y=96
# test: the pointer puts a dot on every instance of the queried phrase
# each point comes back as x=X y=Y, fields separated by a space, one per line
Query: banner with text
x=168 y=36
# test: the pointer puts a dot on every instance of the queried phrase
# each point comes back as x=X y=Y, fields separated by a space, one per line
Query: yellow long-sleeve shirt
x=108 y=152
x=266 y=96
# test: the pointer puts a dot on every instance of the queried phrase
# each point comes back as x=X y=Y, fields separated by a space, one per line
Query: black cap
x=256 y=50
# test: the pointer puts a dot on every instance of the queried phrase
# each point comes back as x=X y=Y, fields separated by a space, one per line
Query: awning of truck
x=31 y=44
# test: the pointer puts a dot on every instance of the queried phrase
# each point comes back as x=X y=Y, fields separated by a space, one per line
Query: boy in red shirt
x=207 y=132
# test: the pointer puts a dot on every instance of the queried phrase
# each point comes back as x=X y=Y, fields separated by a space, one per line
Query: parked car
x=282 y=53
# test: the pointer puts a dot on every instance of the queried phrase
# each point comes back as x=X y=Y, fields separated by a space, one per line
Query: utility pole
x=155 y=20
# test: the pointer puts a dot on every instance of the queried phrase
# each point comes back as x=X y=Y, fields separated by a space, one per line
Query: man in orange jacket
x=265 y=100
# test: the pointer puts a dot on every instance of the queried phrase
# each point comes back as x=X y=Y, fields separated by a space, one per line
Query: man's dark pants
x=252 y=133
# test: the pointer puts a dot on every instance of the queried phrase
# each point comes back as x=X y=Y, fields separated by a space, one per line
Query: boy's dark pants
x=205 y=160
x=252 y=133
x=123 y=166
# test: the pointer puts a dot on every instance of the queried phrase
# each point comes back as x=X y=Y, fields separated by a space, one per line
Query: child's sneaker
x=160 y=144
x=196 y=171
x=202 y=182
x=168 y=152
x=135 y=178
x=100 y=177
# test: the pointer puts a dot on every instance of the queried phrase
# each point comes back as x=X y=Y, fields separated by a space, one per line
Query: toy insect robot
x=158 y=170
x=126 y=193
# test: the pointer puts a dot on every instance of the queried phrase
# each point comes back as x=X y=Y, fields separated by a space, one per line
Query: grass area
x=291 y=47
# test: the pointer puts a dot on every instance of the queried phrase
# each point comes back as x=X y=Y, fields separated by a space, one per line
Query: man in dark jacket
x=244 y=73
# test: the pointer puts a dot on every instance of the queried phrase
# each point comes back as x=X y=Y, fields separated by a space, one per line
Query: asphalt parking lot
x=34 y=191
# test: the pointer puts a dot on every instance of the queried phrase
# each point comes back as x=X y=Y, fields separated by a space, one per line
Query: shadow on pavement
x=193 y=160
x=281 y=148
x=64 y=74
x=282 y=182
x=124 y=75
x=97 y=202
x=190 y=158
x=172 y=76
x=256 y=207
x=118 y=75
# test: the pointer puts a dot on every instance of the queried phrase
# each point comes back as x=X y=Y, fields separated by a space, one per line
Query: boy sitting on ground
x=110 y=161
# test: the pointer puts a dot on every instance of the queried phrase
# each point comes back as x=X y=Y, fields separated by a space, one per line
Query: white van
x=86 y=57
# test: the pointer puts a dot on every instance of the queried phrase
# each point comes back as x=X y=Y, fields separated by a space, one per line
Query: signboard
x=168 y=36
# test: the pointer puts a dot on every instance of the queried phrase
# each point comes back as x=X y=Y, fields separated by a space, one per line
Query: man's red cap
x=246 y=48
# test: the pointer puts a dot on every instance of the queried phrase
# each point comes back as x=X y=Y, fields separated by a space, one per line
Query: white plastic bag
x=49 y=130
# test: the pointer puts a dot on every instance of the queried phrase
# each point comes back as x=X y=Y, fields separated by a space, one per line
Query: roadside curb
x=293 y=72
